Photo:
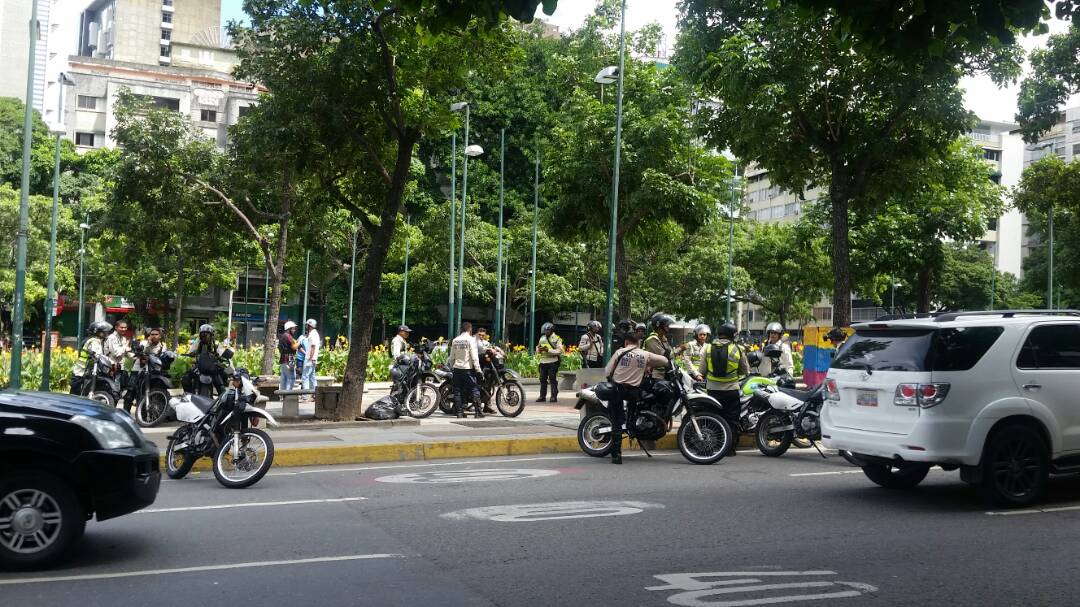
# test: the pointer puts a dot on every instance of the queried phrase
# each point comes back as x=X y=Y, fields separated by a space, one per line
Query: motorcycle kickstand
x=814 y=443
x=642 y=446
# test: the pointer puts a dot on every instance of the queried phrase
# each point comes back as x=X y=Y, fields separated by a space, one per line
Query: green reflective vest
x=722 y=362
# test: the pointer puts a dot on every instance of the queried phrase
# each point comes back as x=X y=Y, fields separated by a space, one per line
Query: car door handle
x=1033 y=387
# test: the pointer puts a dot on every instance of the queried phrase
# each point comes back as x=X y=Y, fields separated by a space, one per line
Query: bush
x=63 y=359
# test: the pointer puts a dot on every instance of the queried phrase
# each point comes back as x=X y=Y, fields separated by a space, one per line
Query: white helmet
x=774 y=327
x=289 y=325
x=311 y=323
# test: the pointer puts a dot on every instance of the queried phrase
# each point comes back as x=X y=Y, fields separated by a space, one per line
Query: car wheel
x=1016 y=466
x=41 y=517
x=896 y=477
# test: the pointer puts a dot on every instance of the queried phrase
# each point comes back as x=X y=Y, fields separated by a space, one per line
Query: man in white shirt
x=591 y=346
x=785 y=362
x=118 y=349
x=400 y=344
x=464 y=363
x=311 y=356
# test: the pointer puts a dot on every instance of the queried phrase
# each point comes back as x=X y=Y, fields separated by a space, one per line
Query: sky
x=981 y=95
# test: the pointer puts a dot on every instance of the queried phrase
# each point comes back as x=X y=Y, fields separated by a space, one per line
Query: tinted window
x=886 y=350
x=1051 y=347
x=960 y=348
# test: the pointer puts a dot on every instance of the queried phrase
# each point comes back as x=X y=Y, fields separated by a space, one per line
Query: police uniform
x=723 y=364
x=591 y=347
x=786 y=362
x=91 y=357
x=550 y=349
x=658 y=344
x=464 y=363
x=627 y=369
x=692 y=354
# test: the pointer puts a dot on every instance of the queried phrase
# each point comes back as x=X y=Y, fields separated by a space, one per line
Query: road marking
x=227 y=566
x=826 y=473
x=252 y=505
x=697 y=588
x=1036 y=511
x=468 y=476
x=553 y=511
x=460 y=463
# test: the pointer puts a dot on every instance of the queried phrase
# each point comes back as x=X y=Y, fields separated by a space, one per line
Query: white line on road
x=1037 y=511
x=826 y=473
x=460 y=463
x=122 y=574
x=252 y=505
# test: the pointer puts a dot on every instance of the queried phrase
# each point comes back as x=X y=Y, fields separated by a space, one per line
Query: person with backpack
x=287 y=349
x=723 y=364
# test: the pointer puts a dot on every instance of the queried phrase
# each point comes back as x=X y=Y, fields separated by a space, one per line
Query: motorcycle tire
x=446 y=398
x=105 y=398
x=421 y=401
x=510 y=399
x=773 y=444
x=717 y=436
x=152 y=409
x=224 y=454
x=178 y=464
x=593 y=443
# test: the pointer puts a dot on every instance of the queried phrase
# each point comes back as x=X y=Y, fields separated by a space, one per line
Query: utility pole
x=307 y=268
x=352 y=280
x=612 y=233
x=464 y=203
x=731 y=243
x=450 y=328
x=532 y=271
x=405 y=288
x=83 y=227
x=499 y=254
x=50 y=298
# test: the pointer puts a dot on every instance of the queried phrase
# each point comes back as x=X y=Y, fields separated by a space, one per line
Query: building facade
x=15 y=16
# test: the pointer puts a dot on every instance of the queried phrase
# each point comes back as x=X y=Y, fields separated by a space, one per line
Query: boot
x=554 y=399
x=616 y=458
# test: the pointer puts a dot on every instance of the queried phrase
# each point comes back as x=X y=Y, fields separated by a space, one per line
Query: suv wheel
x=896 y=477
x=1016 y=465
x=40 y=519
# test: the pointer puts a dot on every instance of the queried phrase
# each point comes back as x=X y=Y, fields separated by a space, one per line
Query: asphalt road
x=570 y=530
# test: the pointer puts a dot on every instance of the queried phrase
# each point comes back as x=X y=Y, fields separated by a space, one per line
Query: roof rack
x=949 y=316
x=888 y=317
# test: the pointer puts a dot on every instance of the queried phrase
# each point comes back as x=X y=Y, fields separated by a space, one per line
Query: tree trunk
x=841 y=254
x=352 y=392
x=622 y=274
x=923 y=280
x=179 y=308
x=273 y=310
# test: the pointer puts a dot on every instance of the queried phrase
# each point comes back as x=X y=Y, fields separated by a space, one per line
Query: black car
x=63 y=460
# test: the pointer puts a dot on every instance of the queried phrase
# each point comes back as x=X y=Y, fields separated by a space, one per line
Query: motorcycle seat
x=201 y=402
x=803 y=395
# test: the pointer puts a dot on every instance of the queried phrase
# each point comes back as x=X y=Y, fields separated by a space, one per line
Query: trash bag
x=384 y=408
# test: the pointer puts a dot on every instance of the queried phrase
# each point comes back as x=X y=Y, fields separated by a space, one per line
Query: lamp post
x=450 y=328
x=1050 y=261
x=615 y=178
x=470 y=150
x=532 y=270
x=352 y=281
x=83 y=227
x=307 y=267
x=15 y=381
x=50 y=298
x=892 y=298
x=731 y=243
x=499 y=253
x=405 y=287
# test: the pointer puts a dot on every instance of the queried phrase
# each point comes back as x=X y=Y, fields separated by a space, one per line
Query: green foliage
x=1052 y=185
x=790 y=270
x=60 y=366
x=1054 y=77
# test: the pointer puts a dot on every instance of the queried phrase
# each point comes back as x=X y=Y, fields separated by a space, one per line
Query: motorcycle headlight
x=109 y=434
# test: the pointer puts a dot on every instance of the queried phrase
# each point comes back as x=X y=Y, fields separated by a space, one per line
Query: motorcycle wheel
x=510 y=399
x=771 y=443
x=446 y=398
x=591 y=441
x=258 y=452
x=714 y=443
x=105 y=398
x=152 y=409
x=178 y=463
x=422 y=401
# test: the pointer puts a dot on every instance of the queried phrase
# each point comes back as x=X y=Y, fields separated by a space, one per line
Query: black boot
x=616 y=458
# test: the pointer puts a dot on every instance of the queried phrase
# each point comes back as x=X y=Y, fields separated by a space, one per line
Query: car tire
x=896 y=477
x=1015 y=467
x=52 y=520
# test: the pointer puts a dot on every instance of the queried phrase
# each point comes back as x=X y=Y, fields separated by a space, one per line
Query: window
x=961 y=348
x=165 y=50
x=166 y=17
x=87 y=103
x=791 y=208
x=991 y=224
x=886 y=350
x=994 y=155
x=166 y=2
x=167 y=103
x=1076 y=149
x=84 y=140
x=778 y=211
x=823 y=314
x=243 y=110
x=208 y=115
x=1076 y=126
x=166 y=34
x=1051 y=347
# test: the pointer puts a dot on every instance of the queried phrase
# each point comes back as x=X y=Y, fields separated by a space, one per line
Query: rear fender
x=110 y=384
x=703 y=403
x=263 y=413
x=1010 y=407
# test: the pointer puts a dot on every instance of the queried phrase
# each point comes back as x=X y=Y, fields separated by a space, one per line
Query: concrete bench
x=581 y=378
x=290 y=401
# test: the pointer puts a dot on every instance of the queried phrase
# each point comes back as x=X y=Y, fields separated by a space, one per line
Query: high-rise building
x=142 y=31
x=15 y=18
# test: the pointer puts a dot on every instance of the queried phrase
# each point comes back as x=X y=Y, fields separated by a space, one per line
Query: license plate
x=866 y=398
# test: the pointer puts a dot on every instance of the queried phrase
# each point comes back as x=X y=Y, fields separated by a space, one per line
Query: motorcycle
x=207 y=367
x=792 y=414
x=225 y=429
x=101 y=382
x=500 y=383
x=150 y=386
x=445 y=380
x=704 y=436
x=413 y=379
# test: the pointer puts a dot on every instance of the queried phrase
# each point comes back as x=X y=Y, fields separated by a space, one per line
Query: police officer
x=464 y=362
x=657 y=341
x=591 y=347
x=774 y=333
x=550 y=351
x=693 y=350
x=118 y=349
x=400 y=344
x=204 y=345
x=639 y=331
x=626 y=370
x=622 y=329
x=723 y=364
x=91 y=358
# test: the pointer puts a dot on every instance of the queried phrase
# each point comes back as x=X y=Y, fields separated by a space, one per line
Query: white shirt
x=786 y=361
x=398 y=346
x=591 y=346
x=117 y=348
x=314 y=343
x=92 y=349
x=464 y=353
x=150 y=350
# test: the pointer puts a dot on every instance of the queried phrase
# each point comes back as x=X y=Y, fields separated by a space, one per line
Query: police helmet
x=726 y=330
x=772 y=351
x=100 y=327
x=547 y=328
x=703 y=328
x=625 y=325
x=774 y=327
x=206 y=328
x=594 y=324
x=640 y=327
x=663 y=321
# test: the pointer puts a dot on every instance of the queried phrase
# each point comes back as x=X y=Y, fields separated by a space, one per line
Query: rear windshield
x=952 y=349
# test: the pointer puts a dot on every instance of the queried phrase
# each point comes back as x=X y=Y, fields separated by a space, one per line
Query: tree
x=966 y=280
x=1052 y=186
x=789 y=269
x=801 y=98
x=1054 y=77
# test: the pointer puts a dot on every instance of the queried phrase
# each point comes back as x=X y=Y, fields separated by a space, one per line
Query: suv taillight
x=920 y=395
x=831 y=391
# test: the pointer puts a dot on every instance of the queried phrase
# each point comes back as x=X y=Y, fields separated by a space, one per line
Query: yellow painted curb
x=404 y=452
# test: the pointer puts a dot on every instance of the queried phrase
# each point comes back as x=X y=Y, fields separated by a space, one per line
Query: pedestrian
x=693 y=350
x=311 y=355
x=723 y=364
x=626 y=370
x=591 y=347
x=785 y=363
x=400 y=344
x=464 y=362
x=287 y=349
x=657 y=342
x=550 y=351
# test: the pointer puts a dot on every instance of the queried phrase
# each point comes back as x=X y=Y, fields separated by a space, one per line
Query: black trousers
x=628 y=396
x=549 y=374
x=466 y=388
x=731 y=410
x=592 y=364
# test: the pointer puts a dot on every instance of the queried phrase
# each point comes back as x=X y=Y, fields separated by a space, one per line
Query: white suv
x=995 y=394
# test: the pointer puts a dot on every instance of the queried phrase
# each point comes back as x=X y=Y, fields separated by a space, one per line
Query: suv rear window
x=951 y=349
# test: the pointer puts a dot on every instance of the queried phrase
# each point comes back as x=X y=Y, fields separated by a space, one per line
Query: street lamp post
x=731 y=243
x=499 y=253
x=50 y=298
x=470 y=150
x=1050 y=261
x=892 y=298
x=352 y=280
x=405 y=287
x=307 y=268
x=83 y=227
x=532 y=270
x=615 y=177
x=450 y=328
x=15 y=381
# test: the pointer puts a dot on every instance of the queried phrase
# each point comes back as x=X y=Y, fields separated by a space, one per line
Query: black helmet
x=206 y=328
x=544 y=328
x=240 y=372
x=726 y=330
x=836 y=335
x=753 y=358
x=640 y=327
x=594 y=324
x=99 y=327
x=625 y=325
x=662 y=321
x=772 y=351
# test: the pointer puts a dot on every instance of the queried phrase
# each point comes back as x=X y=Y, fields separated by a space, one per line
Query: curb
x=421 y=451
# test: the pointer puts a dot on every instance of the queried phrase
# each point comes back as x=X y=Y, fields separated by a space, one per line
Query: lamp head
x=459 y=106
x=474 y=150
x=607 y=75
